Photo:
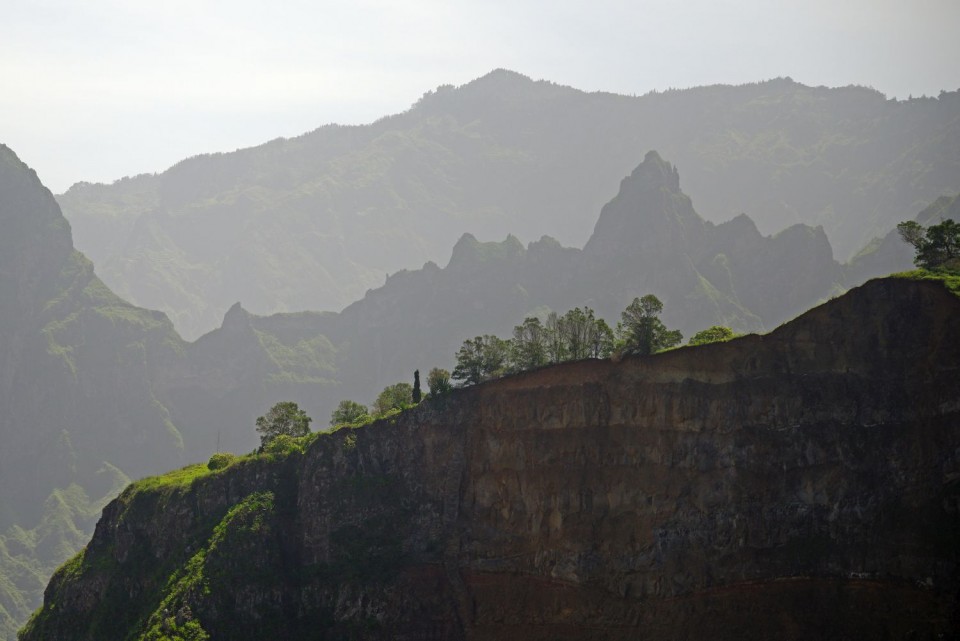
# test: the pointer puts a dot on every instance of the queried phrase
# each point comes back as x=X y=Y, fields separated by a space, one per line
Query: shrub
x=282 y=444
x=221 y=460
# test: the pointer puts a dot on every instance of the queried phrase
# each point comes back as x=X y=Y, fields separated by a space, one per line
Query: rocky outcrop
x=802 y=484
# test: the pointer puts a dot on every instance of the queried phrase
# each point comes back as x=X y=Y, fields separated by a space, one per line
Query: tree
x=529 y=345
x=644 y=332
x=576 y=335
x=496 y=356
x=714 y=334
x=556 y=345
x=416 y=395
x=603 y=340
x=470 y=367
x=439 y=381
x=912 y=233
x=397 y=396
x=937 y=246
x=348 y=412
x=481 y=358
x=577 y=329
x=286 y=419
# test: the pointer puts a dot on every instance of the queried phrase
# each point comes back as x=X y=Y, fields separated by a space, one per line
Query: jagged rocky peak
x=741 y=224
x=236 y=318
x=35 y=238
x=646 y=212
x=812 y=239
x=653 y=172
x=547 y=245
x=464 y=250
x=28 y=212
x=468 y=252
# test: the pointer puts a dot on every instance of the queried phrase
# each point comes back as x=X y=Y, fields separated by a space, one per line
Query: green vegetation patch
x=950 y=279
x=310 y=360
x=182 y=478
x=221 y=460
x=227 y=550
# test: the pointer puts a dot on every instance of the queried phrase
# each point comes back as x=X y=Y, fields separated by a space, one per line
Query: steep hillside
x=802 y=484
x=78 y=412
x=312 y=222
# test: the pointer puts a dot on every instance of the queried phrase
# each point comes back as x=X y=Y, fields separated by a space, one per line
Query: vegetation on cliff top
x=576 y=335
x=937 y=246
x=950 y=279
x=231 y=540
x=937 y=250
x=285 y=419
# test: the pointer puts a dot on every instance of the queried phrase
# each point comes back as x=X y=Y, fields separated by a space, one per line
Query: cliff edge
x=801 y=484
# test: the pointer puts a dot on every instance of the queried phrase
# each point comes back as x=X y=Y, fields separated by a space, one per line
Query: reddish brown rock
x=803 y=484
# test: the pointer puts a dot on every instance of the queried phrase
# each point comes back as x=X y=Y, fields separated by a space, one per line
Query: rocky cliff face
x=802 y=484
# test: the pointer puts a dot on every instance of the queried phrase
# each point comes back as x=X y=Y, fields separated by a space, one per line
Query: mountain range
x=798 y=485
x=312 y=222
x=96 y=390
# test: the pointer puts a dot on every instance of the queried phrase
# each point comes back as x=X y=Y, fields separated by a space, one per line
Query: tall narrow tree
x=416 y=387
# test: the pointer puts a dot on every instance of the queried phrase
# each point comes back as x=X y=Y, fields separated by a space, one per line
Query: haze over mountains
x=797 y=485
x=312 y=222
x=97 y=390
x=76 y=369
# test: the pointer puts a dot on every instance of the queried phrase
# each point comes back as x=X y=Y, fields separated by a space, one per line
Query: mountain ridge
x=774 y=486
x=113 y=378
x=75 y=361
x=503 y=154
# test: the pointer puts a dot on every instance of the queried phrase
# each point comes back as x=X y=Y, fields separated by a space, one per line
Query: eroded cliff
x=802 y=484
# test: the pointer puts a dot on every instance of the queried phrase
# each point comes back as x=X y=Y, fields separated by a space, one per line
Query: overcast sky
x=99 y=89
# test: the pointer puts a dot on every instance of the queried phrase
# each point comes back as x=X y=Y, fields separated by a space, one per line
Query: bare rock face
x=803 y=484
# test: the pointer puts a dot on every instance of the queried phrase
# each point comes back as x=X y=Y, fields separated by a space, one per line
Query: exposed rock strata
x=802 y=484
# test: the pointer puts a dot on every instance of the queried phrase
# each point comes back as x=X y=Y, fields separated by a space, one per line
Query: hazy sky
x=99 y=89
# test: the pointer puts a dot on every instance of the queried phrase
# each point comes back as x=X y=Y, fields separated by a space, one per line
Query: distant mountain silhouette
x=312 y=222
x=648 y=239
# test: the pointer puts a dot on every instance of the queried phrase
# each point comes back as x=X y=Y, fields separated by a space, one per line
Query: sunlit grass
x=950 y=279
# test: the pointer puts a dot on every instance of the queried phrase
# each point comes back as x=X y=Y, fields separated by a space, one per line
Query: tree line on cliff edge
x=576 y=335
